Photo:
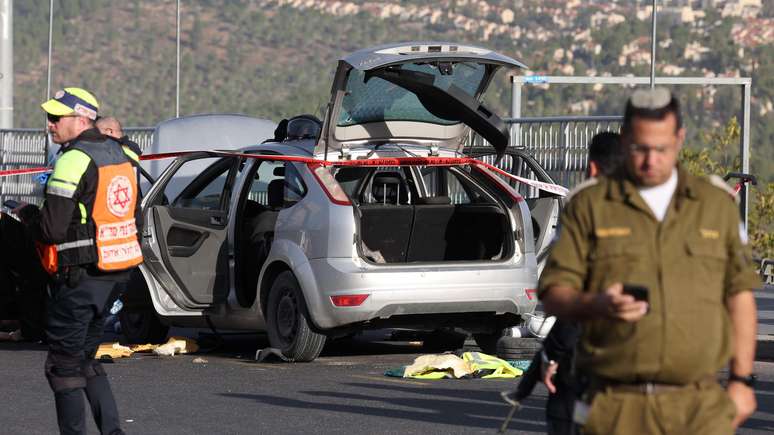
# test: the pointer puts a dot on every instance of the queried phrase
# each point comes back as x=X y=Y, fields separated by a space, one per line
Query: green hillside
x=275 y=58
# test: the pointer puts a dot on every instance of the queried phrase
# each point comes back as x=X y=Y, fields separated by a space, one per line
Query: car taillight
x=329 y=184
x=348 y=300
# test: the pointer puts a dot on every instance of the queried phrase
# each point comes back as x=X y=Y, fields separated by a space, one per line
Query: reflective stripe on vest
x=72 y=245
x=67 y=173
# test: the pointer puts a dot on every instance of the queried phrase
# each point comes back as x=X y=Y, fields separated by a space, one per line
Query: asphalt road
x=343 y=391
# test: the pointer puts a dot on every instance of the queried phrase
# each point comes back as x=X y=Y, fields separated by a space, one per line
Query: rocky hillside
x=275 y=58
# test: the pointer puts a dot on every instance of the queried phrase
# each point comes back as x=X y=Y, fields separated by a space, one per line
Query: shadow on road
x=434 y=409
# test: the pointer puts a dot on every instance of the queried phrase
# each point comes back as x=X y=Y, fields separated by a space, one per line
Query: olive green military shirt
x=691 y=262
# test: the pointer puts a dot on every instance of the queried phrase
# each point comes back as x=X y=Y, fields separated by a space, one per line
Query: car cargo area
x=425 y=215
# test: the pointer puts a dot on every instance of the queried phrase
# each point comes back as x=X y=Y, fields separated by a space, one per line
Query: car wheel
x=487 y=342
x=517 y=348
x=142 y=326
x=287 y=321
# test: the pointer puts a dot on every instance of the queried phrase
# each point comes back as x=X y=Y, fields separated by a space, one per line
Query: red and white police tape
x=382 y=161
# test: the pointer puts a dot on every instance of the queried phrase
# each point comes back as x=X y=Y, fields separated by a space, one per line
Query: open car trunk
x=426 y=214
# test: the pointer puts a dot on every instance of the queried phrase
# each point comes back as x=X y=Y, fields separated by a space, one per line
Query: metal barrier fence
x=559 y=143
x=26 y=148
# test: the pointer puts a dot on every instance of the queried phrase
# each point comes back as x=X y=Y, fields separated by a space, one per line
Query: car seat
x=261 y=234
x=388 y=188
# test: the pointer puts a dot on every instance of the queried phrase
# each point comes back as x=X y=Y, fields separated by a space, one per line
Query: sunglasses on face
x=56 y=118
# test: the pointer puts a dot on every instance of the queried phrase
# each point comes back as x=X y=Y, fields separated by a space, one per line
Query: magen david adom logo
x=119 y=196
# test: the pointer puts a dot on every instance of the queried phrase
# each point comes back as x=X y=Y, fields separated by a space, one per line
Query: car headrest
x=276 y=193
x=388 y=189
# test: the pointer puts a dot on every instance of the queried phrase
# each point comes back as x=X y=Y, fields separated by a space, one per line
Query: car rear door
x=544 y=206
x=185 y=238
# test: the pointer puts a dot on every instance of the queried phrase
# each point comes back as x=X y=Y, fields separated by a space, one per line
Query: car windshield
x=379 y=100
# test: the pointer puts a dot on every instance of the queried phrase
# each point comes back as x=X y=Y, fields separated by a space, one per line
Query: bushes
x=719 y=156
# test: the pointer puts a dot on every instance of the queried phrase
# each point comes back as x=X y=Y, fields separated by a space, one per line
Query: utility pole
x=48 y=80
x=653 y=48
x=177 y=81
x=6 y=63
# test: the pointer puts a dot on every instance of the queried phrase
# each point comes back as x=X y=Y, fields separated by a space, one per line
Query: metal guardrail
x=559 y=143
x=21 y=148
x=26 y=148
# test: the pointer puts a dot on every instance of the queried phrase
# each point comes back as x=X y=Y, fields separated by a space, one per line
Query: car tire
x=287 y=321
x=142 y=326
x=487 y=342
x=517 y=348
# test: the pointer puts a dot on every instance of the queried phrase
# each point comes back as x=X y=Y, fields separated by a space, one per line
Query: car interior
x=452 y=220
x=270 y=191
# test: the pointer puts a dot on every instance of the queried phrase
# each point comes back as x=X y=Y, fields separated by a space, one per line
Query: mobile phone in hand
x=640 y=292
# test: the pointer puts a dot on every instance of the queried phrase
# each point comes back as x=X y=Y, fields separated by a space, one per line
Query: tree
x=718 y=158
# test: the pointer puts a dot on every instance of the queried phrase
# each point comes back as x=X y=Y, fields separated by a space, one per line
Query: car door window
x=269 y=172
x=295 y=189
x=200 y=184
x=518 y=166
x=449 y=182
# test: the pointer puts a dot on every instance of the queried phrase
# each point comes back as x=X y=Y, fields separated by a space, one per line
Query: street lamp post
x=653 y=48
x=177 y=80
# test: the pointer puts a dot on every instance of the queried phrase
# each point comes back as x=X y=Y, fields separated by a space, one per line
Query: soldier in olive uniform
x=652 y=364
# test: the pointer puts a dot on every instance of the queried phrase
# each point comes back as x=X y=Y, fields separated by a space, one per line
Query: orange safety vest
x=107 y=235
x=113 y=214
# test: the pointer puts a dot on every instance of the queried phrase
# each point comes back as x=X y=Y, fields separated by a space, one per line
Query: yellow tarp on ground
x=173 y=346
x=474 y=364
x=481 y=361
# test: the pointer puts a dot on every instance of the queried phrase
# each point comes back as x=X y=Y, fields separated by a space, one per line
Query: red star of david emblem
x=121 y=197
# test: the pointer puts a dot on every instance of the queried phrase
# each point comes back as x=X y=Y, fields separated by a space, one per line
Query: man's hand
x=570 y=304
x=614 y=304
x=744 y=321
x=548 y=370
x=744 y=399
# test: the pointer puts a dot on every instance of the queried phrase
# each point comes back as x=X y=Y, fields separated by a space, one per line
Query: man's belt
x=647 y=387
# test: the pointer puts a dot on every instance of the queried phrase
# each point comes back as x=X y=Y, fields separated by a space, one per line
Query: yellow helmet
x=72 y=100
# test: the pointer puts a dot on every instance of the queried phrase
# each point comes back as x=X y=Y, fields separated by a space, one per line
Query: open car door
x=544 y=206
x=185 y=234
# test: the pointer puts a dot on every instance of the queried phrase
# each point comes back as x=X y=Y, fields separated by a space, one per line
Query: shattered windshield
x=379 y=100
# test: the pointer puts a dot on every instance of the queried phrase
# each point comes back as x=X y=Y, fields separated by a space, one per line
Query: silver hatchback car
x=306 y=251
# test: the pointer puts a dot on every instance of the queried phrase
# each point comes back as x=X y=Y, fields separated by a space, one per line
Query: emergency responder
x=109 y=126
x=652 y=360
x=90 y=215
x=558 y=353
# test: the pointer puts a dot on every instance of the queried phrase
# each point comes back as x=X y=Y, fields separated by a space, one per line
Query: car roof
x=304 y=148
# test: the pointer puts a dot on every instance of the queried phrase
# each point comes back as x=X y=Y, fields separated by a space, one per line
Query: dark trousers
x=76 y=313
x=23 y=281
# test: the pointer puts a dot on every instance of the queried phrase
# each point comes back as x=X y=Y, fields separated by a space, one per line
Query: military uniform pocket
x=706 y=267
x=615 y=261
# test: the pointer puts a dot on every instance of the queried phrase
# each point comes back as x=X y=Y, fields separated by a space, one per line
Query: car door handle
x=187 y=251
x=216 y=220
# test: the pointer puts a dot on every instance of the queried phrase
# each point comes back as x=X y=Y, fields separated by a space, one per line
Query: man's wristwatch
x=747 y=380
